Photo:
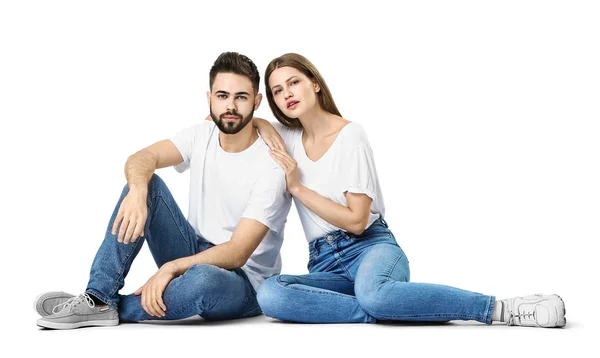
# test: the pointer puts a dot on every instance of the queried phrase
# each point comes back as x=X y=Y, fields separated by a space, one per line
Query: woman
x=357 y=271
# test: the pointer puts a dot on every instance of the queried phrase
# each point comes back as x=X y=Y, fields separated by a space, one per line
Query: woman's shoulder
x=354 y=133
x=283 y=129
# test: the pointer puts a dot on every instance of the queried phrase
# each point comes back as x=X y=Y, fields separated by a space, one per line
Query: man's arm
x=229 y=255
x=141 y=165
x=138 y=171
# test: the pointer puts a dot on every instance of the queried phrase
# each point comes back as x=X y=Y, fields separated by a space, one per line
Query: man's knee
x=204 y=277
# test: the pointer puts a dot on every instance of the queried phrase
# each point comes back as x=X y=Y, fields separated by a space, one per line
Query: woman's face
x=293 y=92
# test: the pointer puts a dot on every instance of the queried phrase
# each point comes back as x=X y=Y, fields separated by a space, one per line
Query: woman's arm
x=268 y=133
x=353 y=218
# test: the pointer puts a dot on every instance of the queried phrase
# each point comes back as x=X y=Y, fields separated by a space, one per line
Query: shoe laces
x=520 y=316
x=73 y=301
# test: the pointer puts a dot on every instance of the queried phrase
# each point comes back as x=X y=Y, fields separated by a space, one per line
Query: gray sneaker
x=535 y=311
x=45 y=303
x=79 y=312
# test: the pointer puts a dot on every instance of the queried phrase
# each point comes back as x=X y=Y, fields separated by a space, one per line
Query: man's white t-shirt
x=347 y=166
x=225 y=187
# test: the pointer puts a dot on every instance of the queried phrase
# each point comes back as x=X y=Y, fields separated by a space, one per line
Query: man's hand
x=152 y=291
x=132 y=215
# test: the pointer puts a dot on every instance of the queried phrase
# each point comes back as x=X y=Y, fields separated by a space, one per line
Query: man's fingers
x=123 y=229
x=156 y=304
x=138 y=231
x=147 y=304
x=130 y=230
x=161 y=303
x=153 y=305
x=138 y=291
x=117 y=222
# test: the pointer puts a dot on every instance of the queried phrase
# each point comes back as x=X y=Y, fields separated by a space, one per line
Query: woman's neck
x=317 y=123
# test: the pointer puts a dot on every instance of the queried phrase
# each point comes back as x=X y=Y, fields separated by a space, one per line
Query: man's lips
x=230 y=118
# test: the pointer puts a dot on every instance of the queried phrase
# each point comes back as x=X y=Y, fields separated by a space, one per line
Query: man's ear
x=257 y=101
x=208 y=98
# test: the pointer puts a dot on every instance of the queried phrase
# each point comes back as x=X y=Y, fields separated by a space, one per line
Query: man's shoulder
x=200 y=130
x=265 y=164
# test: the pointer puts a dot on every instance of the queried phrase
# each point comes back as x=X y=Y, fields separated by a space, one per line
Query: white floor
x=261 y=336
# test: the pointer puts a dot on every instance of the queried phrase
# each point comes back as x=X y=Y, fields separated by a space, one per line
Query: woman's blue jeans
x=365 y=278
x=206 y=290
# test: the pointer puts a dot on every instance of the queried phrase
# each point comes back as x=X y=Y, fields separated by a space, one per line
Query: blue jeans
x=365 y=278
x=206 y=290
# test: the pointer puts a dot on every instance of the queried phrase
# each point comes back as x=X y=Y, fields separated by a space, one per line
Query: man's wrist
x=173 y=267
x=138 y=187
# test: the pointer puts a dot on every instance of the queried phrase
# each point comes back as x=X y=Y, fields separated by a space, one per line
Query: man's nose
x=231 y=104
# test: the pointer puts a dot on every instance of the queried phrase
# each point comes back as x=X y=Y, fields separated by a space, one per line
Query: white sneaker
x=534 y=311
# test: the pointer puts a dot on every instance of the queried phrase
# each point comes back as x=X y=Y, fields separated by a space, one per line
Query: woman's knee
x=380 y=277
x=271 y=297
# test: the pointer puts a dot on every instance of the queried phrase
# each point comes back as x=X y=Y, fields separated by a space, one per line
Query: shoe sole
x=564 y=313
x=57 y=325
x=58 y=297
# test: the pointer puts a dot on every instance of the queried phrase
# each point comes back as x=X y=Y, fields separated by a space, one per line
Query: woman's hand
x=268 y=133
x=290 y=167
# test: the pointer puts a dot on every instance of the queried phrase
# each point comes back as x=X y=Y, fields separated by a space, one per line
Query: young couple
x=223 y=261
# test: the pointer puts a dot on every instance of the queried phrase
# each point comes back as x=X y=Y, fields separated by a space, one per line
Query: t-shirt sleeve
x=362 y=175
x=185 y=140
x=359 y=164
x=269 y=200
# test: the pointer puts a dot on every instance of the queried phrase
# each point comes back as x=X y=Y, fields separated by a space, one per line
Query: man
x=212 y=263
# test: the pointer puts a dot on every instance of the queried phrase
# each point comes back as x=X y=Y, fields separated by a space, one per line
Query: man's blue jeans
x=206 y=290
x=365 y=278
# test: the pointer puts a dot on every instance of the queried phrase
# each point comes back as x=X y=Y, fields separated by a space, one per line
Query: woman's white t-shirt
x=347 y=166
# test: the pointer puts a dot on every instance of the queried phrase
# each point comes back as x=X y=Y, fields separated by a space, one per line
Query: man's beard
x=231 y=127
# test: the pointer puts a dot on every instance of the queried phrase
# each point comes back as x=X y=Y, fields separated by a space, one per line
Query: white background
x=483 y=117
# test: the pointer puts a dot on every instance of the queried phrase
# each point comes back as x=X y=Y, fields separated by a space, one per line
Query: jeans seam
x=332 y=293
x=121 y=272
x=160 y=195
x=315 y=279
x=393 y=267
x=445 y=315
x=490 y=310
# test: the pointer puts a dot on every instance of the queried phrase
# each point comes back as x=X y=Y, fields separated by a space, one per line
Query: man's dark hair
x=233 y=62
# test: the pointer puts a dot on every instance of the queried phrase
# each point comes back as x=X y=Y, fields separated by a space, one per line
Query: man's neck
x=242 y=140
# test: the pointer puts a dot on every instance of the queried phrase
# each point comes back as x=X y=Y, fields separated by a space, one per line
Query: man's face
x=232 y=102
